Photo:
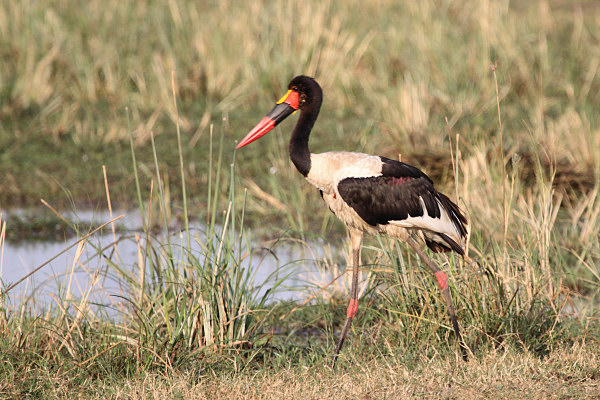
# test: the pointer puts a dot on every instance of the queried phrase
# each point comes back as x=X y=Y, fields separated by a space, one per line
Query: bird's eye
x=295 y=88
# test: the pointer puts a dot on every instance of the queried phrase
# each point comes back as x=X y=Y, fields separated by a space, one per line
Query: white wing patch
x=427 y=223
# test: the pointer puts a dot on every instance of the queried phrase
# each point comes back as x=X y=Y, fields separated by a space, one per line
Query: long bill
x=286 y=106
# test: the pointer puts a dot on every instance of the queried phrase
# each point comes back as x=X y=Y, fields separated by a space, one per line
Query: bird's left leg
x=442 y=280
x=356 y=238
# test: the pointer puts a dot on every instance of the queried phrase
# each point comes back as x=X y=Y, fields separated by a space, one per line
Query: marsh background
x=497 y=101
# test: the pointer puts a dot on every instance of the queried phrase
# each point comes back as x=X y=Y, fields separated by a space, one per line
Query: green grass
x=78 y=82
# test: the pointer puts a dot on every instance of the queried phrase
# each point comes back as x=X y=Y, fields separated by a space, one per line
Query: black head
x=310 y=93
x=304 y=94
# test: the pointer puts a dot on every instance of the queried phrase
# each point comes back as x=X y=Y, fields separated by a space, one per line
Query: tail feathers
x=437 y=247
x=456 y=215
x=442 y=247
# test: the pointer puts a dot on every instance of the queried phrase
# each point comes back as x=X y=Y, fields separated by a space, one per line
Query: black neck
x=299 y=152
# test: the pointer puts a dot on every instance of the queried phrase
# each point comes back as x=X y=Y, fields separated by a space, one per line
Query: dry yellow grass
x=567 y=373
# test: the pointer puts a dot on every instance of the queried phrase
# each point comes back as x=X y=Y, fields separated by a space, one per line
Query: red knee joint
x=442 y=279
x=352 y=308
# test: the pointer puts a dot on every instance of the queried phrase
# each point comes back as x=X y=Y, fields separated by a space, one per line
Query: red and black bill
x=286 y=106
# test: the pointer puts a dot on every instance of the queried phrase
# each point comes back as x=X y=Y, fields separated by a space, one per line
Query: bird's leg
x=353 y=305
x=442 y=280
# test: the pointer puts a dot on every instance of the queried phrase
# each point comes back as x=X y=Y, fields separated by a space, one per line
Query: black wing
x=396 y=195
x=397 y=169
x=381 y=199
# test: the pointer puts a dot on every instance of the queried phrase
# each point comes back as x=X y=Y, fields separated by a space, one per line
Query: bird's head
x=302 y=90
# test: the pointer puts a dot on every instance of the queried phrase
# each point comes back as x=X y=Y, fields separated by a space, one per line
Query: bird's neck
x=299 y=152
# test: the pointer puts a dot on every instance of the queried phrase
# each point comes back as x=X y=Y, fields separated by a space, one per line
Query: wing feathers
x=404 y=193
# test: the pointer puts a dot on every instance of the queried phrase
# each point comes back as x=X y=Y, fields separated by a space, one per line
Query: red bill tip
x=263 y=127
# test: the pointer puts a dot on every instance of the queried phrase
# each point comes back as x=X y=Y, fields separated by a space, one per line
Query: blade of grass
x=181 y=165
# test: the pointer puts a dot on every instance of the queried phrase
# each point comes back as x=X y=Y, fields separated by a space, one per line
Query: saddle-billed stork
x=369 y=194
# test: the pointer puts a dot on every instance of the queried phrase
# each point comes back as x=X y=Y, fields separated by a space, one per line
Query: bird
x=370 y=194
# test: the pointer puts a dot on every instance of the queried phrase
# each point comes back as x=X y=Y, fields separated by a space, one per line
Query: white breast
x=328 y=169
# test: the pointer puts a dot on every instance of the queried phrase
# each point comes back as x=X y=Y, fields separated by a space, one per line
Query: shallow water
x=92 y=274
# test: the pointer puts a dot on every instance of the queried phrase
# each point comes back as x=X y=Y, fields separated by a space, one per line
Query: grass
x=495 y=376
x=91 y=85
x=176 y=306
